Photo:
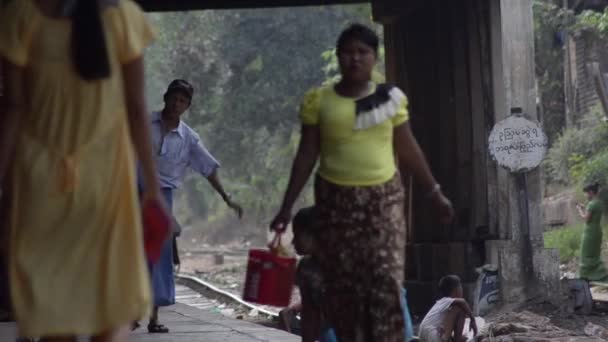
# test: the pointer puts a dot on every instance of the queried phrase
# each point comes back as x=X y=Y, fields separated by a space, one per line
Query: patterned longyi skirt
x=362 y=240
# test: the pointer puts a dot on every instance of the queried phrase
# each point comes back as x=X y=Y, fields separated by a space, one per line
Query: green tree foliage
x=549 y=21
x=575 y=147
x=250 y=69
x=578 y=154
x=592 y=22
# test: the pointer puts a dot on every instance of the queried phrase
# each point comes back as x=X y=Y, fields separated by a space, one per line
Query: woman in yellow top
x=76 y=121
x=360 y=132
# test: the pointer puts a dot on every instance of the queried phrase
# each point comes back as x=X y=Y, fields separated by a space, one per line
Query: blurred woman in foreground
x=75 y=122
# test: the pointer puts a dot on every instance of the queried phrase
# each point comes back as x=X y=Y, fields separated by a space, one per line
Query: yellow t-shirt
x=350 y=157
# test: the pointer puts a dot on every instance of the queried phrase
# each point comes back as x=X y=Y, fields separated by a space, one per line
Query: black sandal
x=157 y=329
x=135 y=325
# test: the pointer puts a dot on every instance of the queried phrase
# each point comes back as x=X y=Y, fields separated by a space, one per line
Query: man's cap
x=181 y=85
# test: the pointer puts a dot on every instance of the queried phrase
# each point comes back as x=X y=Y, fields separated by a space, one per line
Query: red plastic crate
x=270 y=278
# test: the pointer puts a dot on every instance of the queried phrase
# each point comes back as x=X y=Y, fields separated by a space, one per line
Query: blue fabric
x=330 y=336
x=409 y=327
x=177 y=151
x=163 y=283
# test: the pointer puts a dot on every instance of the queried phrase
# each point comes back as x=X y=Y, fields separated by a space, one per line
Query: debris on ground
x=596 y=331
x=528 y=326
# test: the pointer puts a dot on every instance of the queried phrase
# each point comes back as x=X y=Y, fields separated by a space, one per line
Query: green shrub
x=575 y=147
x=567 y=240
x=591 y=170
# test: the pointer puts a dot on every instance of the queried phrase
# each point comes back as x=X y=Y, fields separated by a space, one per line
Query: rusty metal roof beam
x=189 y=5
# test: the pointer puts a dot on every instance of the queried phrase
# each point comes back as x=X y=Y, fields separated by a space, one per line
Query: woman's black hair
x=593 y=187
x=89 y=50
x=448 y=284
x=304 y=219
x=361 y=33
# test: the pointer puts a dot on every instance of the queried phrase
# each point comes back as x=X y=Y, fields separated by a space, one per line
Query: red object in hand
x=270 y=277
x=156 y=229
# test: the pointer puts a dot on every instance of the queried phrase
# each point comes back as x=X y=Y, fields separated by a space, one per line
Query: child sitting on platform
x=446 y=319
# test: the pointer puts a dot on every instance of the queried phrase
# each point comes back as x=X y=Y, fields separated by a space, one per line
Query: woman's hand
x=412 y=161
x=303 y=164
x=280 y=222
x=444 y=206
x=236 y=207
x=583 y=212
x=154 y=196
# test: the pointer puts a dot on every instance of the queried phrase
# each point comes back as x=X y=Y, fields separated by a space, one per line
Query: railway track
x=200 y=294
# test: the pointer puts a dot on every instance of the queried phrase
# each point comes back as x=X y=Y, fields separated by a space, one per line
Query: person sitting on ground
x=591 y=265
x=446 y=319
x=314 y=326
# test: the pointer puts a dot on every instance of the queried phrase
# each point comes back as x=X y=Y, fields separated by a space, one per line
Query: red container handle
x=275 y=243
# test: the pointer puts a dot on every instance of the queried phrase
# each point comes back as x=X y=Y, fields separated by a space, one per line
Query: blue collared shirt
x=176 y=151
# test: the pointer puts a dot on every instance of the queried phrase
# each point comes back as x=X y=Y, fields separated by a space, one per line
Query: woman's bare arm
x=410 y=156
x=412 y=160
x=303 y=165
x=583 y=213
x=133 y=75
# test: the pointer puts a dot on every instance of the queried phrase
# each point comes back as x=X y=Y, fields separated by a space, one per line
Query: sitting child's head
x=303 y=231
x=450 y=286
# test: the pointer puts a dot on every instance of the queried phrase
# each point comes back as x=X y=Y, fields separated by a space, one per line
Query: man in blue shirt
x=177 y=147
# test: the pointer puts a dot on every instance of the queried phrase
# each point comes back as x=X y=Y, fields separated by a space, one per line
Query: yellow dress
x=76 y=264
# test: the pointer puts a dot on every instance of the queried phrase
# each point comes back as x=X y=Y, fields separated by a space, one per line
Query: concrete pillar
x=527 y=268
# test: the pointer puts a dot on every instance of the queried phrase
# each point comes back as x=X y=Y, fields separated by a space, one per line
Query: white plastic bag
x=487 y=290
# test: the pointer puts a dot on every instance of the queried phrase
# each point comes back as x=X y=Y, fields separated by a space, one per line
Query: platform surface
x=195 y=321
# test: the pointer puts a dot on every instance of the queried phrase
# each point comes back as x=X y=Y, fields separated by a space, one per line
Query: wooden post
x=600 y=86
x=568 y=82
x=396 y=75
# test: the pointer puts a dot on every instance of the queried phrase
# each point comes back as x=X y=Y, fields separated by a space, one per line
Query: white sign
x=518 y=144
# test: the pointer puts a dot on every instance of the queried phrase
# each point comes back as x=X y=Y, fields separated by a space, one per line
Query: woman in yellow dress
x=74 y=123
